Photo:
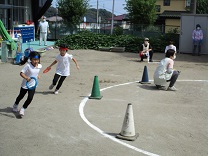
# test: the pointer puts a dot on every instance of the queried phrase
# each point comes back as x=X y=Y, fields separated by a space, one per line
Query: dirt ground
x=168 y=123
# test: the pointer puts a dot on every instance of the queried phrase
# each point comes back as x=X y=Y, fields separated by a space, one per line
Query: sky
x=106 y=4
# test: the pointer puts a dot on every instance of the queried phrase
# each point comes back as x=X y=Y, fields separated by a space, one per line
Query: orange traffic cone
x=145 y=78
x=128 y=129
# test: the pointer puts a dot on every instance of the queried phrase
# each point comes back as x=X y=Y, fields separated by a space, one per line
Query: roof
x=53 y=18
x=119 y=17
x=173 y=14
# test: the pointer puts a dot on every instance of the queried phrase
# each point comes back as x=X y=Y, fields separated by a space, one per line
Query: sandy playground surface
x=168 y=123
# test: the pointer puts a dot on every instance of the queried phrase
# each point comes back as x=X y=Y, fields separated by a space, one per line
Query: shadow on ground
x=8 y=113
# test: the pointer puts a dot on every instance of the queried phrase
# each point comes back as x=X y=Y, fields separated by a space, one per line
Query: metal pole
x=97 y=17
x=56 y=22
x=112 y=19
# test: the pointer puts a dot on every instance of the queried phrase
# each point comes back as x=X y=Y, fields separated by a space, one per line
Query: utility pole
x=56 y=22
x=194 y=6
x=112 y=19
x=97 y=17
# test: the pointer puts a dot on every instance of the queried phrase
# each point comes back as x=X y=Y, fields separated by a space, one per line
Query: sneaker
x=22 y=112
x=15 y=108
x=161 y=87
x=172 y=88
x=56 y=92
x=51 y=86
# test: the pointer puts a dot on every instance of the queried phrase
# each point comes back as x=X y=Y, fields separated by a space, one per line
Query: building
x=120 y=20
x=13 y=12
x=169 y=12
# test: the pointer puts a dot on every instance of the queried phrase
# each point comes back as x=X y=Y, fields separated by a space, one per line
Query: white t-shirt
x=30 y=71
x=146 y=48
x=161 y=75
x=170 y=47
x=63 y=67
x=43 y=27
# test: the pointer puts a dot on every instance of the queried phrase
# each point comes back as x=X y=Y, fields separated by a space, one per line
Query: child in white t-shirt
x=31 y=69
x=165 y=72
x=63 y=67
x=170 y=46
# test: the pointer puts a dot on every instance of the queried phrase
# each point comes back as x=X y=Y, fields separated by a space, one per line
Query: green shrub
x=118 y=31
x=89 y=40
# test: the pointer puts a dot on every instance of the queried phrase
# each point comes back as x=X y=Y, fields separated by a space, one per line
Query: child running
x=31 y=69
x=63 y=67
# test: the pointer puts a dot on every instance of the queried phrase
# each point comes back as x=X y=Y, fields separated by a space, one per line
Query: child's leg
x=150 y=55
x=60 y=82
x=29 y=98
x=55 y=79
x=21 y=95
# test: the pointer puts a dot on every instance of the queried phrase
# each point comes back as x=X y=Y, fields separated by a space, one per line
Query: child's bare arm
x=24 y=76
x=75 y=61
x=54 y=62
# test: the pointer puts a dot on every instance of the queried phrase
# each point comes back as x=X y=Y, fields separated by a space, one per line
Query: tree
x=92 y=14
x=201 y=7
x=141 y=11
x=72 y=12
x=50 y=12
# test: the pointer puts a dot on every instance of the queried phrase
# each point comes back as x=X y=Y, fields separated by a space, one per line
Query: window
x=188 y=3
x=166 y=3
x=157 y=8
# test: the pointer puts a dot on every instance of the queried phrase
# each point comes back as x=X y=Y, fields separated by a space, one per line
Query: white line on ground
x=81 y=112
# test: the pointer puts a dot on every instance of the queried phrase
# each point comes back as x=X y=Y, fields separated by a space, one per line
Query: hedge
x=89 y=40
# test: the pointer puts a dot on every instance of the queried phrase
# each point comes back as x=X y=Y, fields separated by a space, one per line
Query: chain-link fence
x=59 y=30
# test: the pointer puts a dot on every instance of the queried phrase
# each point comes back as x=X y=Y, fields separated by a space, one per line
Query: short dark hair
x=31 y=55
x=198 y=25
x=170 y=53
x=63 y=46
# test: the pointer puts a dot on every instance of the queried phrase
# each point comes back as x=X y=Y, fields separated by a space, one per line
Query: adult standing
x=44 y=30
x=197 y=36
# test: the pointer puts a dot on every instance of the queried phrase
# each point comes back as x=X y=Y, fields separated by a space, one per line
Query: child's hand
x=38 y=77
x=28 y=79
x=78 y=67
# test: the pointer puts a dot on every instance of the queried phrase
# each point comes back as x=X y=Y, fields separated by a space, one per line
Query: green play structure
x=11 y=45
